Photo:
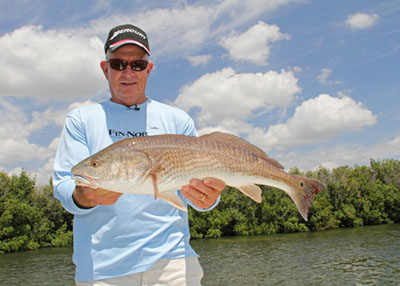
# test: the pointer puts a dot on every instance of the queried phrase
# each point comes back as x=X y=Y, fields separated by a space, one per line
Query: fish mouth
x=86 y=181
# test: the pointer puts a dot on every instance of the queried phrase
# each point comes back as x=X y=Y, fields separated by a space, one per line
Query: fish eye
x=94 y=163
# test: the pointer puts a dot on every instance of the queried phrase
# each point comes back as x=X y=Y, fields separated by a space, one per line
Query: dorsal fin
x=241 y=143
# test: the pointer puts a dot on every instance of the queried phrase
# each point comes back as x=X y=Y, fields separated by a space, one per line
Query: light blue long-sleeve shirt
x=134 y=233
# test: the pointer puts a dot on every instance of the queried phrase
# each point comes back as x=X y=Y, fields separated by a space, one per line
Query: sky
x=313 y=83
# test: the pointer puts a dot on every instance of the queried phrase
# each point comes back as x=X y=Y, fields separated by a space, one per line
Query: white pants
x=174 y=272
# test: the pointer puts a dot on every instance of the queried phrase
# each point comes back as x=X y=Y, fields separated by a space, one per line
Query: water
x=40 y=267
x=358 y=256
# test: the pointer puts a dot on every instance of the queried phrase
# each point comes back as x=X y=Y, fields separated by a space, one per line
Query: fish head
x=112 y=167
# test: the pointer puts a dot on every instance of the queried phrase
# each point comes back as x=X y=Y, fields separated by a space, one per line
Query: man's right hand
x=87 y=198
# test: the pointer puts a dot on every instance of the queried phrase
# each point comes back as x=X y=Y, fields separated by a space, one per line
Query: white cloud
x=345 y=92
x=179 y=30
x=316 y=120
x=388 y=149
x=44 y=173
x=12 y=150
x=17 y=126
x=63 y=64
x=360 y=21
x=50 y=64
x=14 y=118
x=40 y=154
x=253 y=45
x=341 y=155
x=58 y=117
x=15 y=131
x=184 y=30
x=226 y=96
x=240 y=12
x=199 y=60
x=297 y=69
x=323 y=77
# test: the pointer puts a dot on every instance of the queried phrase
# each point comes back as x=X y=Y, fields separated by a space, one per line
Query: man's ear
x=104 y=68
x=149 y=67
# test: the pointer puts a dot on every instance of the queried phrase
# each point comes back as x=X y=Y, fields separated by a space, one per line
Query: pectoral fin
x=173 y=199
x=252 y=191
x=153 y=176
x=156 y=176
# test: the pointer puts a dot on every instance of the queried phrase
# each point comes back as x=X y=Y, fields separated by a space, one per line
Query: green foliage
x=62 y=237
x=362 y=195
x=30 y=218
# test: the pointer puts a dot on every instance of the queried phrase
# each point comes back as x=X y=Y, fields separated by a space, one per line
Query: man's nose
x=129 y=71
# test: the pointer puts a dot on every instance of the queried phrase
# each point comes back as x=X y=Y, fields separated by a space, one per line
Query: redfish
x=161 y=164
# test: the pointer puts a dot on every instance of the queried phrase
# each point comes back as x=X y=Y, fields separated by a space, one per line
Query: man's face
x=127 y=87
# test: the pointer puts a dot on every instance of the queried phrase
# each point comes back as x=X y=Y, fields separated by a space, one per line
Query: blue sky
x=313 y=83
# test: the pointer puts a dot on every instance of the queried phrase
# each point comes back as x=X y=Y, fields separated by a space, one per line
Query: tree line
x=31 y=218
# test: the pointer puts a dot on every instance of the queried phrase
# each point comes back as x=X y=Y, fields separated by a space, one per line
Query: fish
x=160 y=165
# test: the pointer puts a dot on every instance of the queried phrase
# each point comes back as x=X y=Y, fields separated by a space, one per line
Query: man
x=128 y=239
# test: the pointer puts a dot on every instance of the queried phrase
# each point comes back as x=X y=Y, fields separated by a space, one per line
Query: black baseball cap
x=124 y=35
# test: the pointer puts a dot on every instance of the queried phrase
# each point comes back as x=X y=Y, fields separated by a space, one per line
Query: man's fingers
x=214 y=183
x=203 y=193
x=101 y=196
x=199 y=198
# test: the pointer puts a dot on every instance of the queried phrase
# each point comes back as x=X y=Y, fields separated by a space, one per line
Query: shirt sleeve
x=204 y=210
x=72 y=148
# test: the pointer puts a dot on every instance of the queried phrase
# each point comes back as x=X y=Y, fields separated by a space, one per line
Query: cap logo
x=123 y=31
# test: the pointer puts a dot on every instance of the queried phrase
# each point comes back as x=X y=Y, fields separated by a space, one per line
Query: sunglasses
x=120 y=65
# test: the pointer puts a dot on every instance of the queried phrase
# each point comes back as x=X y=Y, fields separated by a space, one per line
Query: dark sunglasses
x=120 y=65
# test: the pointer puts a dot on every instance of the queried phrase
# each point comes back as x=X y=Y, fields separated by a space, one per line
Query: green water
x=358 y=256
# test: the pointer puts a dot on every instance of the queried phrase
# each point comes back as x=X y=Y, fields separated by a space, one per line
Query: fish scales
x=163 y=163
x=178 y=161
x=197 y=153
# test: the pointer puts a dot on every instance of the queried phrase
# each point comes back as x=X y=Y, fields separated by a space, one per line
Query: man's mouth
x=128 y=83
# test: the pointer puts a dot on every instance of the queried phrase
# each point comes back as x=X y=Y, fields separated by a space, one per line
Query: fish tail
x=303 y=196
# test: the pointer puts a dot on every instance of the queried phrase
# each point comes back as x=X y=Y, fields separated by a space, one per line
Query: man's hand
x=203 y=193
x=87 y=198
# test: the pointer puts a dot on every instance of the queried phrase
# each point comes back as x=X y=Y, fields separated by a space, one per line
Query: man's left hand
x=203 y=193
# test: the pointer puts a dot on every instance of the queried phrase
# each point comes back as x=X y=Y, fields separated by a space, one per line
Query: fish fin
x=153 y=176
x=252 y=191
x=274 y=162
x=304 y=197
x=243 y=144
x=173 y=199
